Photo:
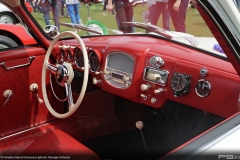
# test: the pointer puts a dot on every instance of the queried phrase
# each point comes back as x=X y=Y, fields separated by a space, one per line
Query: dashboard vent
x=121 y=62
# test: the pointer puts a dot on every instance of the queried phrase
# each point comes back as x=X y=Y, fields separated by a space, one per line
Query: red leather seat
x=58 y=143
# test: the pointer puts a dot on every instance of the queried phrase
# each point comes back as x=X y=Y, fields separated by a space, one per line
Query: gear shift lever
x=139 y=125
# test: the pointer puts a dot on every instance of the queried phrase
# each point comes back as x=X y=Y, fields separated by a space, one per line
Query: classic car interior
x=125 y=96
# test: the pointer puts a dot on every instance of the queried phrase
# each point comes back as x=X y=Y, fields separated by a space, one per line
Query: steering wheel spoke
x=52 y=68
x=69 y=94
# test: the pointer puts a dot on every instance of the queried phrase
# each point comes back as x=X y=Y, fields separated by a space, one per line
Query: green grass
x=194 y=23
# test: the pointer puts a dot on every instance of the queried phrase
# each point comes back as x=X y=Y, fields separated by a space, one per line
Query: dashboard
x=152 y=71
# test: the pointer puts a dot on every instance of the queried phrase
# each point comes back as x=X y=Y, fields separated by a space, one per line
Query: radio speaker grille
x=121 y=62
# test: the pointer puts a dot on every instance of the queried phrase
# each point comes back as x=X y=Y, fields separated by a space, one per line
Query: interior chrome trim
x=18 y=66
x=118 y=72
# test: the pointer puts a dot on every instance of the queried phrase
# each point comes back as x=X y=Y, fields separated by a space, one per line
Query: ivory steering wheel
x=64 y=75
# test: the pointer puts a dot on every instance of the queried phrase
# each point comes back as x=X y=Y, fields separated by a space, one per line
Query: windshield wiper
x=81 y=27
x=150 y=27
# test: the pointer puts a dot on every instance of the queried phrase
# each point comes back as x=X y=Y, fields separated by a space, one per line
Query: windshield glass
x=173 y=19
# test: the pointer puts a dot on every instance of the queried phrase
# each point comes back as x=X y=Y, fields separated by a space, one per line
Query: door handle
x=21 y=65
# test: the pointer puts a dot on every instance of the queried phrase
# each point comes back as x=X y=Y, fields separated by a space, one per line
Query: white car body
x=6 y=15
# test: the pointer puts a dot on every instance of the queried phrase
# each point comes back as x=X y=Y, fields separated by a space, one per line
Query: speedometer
x=94 y=60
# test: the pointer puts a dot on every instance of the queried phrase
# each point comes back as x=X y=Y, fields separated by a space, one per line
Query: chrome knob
x=143 y=96
x=156 y=61
x=96 y=81
x=145 y=87
x=159 y=90
x=153 y=100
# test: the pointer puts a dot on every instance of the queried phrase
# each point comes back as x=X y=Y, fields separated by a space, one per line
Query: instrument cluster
x=74 y=55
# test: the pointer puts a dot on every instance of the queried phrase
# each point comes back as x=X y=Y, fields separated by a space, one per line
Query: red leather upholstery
x=58 y=143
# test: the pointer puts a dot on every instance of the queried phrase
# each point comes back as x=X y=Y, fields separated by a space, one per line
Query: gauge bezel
x=98 y=54
x=63 y=54
x=69 y=54
x=182 y=78
x=207 y=92
x=77 y=49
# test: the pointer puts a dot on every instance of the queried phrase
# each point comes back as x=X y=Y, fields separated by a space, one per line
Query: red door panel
x=22 y=111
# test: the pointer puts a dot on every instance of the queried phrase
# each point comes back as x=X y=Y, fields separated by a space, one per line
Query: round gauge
x=203 y=88
x=70 y=55
x=178 y=82
x=156 y=62
x=63 y=54
x=78 y=55
x=94 y=60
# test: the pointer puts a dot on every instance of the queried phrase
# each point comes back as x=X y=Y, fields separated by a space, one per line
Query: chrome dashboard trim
x=116 y=76
x=157 y=70
x=90 y=52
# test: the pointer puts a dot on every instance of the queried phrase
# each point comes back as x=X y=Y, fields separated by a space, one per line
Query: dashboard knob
x=159 y=90
x=145 y=87
x=106 y=72
x=96 y=81
x=125 y=78
x=154 y=77
x=156 y=61
x=98 y=72
x=153 y=100
x=144 y=96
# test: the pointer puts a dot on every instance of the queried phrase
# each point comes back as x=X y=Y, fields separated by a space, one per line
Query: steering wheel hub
x=64 y=74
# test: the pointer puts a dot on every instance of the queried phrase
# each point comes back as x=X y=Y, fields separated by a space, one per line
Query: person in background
x=178 y=10
x=124 y=13
x=35 y=4
x=105 y=7
x=62 y=9
x=156 y=7
x=47 y=5
x=73 y=9
x=31 y=3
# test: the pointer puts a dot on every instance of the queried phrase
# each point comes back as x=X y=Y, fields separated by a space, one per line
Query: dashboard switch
x=144 y=97
x=153 y=100
x=159 y=90
x=145 y=87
